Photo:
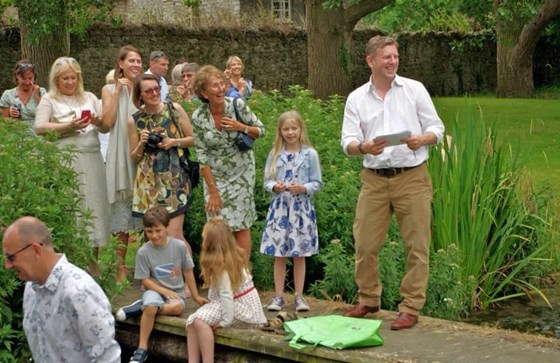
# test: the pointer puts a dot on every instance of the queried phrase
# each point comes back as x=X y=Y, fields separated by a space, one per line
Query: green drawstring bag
x=333 y=331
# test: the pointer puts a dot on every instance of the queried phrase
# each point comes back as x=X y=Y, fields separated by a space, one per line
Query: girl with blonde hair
x=234 y=301
x=293 y=176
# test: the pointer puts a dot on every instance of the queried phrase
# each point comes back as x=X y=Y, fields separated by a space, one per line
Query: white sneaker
x=129 y=311
x=276 y=304
x=300 y=303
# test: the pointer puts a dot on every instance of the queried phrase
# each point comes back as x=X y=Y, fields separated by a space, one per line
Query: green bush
x=500 y=218
x=35 y=181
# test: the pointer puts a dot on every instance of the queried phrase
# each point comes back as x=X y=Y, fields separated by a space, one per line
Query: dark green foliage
x=35 y=181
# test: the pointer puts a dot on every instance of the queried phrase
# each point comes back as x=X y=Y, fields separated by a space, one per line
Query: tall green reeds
x=479 y=206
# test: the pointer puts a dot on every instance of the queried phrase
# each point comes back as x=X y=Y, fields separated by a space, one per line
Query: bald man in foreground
x=66 y=315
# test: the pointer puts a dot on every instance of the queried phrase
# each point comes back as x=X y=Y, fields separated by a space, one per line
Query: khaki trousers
x=409 y=196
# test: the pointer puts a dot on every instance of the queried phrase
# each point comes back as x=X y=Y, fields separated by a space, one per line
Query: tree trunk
x=45 y=52
x=515 y=47
x=329 y=39
x=327 y=67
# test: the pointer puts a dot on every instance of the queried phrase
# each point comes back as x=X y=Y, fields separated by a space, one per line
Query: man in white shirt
x=395 y=178
x=159 y=65
x=66 y=315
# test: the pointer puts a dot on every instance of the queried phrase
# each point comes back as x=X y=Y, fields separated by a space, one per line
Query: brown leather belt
x=391 y=172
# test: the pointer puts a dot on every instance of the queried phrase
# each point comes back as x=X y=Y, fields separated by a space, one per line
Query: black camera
x=153 y=140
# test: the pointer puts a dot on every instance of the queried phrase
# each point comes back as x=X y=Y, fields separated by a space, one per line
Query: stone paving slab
x=431 y=340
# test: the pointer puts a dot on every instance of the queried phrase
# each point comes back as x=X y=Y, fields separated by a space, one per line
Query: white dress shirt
x=407 y=106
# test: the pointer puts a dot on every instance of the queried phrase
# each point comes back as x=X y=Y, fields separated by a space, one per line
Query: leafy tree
x=329 y=34
x=519 y=24
x=46 y=25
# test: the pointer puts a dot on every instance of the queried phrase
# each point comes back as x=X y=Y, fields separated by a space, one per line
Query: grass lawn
x=533 y=124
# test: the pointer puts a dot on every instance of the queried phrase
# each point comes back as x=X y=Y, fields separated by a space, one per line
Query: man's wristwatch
x=246 y=130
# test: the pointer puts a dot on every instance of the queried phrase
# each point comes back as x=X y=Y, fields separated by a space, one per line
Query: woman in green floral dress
x=228 y=173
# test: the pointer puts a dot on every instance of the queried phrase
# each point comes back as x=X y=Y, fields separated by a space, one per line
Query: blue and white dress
x=291 y=224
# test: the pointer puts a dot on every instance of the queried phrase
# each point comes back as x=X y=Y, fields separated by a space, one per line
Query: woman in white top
x=74 y=114
x=121 y=171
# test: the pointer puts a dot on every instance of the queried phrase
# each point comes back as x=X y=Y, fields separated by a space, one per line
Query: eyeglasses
x=12 y=257
x=157 y=55
x=153 y=90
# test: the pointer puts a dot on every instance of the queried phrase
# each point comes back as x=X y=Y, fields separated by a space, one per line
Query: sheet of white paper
x=393 y=139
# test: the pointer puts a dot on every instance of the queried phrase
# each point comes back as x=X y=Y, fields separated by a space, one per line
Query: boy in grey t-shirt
x=164 y=265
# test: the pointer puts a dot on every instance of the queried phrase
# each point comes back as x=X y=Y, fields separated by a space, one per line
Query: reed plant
x=479 y=206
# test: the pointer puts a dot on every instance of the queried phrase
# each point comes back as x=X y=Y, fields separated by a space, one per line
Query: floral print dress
x=160 y=180
x=233 y=171
x=290 y=228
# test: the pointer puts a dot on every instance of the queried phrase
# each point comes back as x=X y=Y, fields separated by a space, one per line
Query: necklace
x=24 y=101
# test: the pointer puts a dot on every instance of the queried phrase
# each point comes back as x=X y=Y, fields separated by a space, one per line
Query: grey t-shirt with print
x=165 y=264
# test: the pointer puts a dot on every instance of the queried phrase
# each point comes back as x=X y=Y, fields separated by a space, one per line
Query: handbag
x=333 y=331
x=243 y=141
x=191 y=167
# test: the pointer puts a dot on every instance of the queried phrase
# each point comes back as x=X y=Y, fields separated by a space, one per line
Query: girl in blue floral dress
x=293 y=175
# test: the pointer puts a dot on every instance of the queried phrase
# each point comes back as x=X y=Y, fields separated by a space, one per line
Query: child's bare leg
x=174 y=307
x=205 y=336
x=279 y=275
x=147 y=325
x=299 y=274
x=192 y=345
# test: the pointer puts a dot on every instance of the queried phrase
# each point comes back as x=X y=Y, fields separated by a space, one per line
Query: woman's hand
x=214 y=204
x=79 y=123
x=231 y=124
x=143 y=140
x=36 y=92
x=123 y=82
x=14 y=112
x=96 y=120
x=167 y=143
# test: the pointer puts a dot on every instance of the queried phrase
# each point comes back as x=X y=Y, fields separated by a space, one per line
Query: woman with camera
x=20 y=102
x=73 y=114
x=158 y=134
x=228 y=172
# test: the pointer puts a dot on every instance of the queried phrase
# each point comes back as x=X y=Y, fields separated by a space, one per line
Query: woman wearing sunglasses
x=158 y=134
x=20 y=102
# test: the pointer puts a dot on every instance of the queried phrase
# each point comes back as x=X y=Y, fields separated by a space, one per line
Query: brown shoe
x=360 y=310
x=404 y=321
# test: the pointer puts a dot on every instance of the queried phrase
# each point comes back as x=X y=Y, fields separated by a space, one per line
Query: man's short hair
x=379 y=41
x=31 y=229
x=156 y=215
x=157 y=54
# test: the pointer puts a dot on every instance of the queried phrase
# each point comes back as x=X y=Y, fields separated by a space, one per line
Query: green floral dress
x=160 y=180
x=233 y=171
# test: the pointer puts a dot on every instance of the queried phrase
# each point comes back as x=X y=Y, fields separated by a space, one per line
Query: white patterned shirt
x=68 y=319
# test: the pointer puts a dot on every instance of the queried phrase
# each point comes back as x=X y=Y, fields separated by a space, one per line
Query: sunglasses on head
x=157 y=55
x=23 y=66
x=63 y=60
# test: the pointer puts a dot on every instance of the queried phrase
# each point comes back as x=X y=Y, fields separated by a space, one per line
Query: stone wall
x=449 y=64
